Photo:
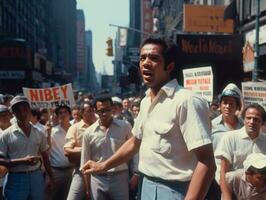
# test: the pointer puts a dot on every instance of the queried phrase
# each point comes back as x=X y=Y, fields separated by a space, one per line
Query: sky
x=98 y=15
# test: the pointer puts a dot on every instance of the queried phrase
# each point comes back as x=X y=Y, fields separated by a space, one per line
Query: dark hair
x=170 y=52
x=82 y=105
x=58 y=108
x=36 y=113
x=258 y=107
x=102 y=98
x=254 y=170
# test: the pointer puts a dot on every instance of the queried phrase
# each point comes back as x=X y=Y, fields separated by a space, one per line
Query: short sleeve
x=3 y=145
x=70 y=137
x=194 y=122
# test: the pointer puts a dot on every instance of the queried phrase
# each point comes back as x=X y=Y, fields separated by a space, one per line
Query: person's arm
x=28 y=160
x=87 y=185
x=122 y=155
x=203 y=173
x=225 y=189
x=73 y=154
x=46 y=163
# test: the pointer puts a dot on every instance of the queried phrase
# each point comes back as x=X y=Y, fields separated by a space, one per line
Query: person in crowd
x=135 y=107
x=230 y=103
x=20 y=148
x=44 y=116
x=250 y=182
x=100 y=141
x=75 y=113
x=236 y=145
x=61 y=167
x=72 y=149
x=35 y=120
x=117 y=108
x=126 y=112
x=5 y=117
x=171 y=132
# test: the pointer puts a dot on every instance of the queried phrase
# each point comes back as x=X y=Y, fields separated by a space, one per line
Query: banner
x=254 y=92
x=50 y=97
x=199 y=80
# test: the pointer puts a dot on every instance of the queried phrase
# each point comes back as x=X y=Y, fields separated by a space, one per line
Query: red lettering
x=48 y=94
x=56 y=93
x=33 y=95
x=64 y=91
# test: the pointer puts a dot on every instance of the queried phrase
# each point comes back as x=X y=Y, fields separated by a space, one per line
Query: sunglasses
x=105 y=110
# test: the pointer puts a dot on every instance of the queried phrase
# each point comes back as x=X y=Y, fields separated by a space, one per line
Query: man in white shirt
x=238 y=144
x=171 y=132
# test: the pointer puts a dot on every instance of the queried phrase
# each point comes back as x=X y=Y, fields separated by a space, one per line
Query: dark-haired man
x=171 y=132
x=62 y=168
x=72 y=149
x=20 y=148
x=238 y=144
x=100 y=141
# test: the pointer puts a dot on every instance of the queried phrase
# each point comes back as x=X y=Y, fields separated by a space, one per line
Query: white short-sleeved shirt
x=15 y=144
x=237 y=145
x=99 y=145
x=58 y=140
x=175 y=123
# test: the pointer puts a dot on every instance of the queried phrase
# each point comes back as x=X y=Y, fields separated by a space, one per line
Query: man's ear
x=170 y=67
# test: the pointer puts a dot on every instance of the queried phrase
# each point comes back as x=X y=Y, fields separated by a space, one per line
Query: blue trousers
x=24 y=186
x=155 y=190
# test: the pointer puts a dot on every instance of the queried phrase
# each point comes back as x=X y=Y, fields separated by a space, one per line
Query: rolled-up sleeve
x=85 y=152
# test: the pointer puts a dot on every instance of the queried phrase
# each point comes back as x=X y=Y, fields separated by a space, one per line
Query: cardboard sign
x=199 y=80
x=50 y=97
x=254 y=92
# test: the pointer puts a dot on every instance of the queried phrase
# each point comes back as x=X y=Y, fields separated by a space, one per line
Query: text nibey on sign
x=48 y=94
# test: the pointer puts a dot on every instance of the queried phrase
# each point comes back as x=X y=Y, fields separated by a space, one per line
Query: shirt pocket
x=161 y=137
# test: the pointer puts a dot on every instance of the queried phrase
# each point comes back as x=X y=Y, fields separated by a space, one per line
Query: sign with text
x=209 y=48
x=205 y=18
x=9 y=74
x=199 y=80
x=254 y=92
x=50 y=97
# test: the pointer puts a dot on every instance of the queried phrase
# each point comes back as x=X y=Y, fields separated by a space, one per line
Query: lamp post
x=256 y=70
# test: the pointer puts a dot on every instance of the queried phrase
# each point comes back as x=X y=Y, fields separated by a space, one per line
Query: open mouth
x=147 y=74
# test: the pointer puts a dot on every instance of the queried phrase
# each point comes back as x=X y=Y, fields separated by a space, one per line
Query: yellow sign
x=202 y=18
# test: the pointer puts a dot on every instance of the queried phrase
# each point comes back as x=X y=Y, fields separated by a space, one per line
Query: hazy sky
x=98 y=15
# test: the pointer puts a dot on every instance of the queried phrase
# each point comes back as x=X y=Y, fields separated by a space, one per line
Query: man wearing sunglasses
x=100 y=141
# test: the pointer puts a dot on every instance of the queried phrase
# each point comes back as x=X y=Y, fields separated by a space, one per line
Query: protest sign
x=50 y=97
x=199 y=80
x=254 y=92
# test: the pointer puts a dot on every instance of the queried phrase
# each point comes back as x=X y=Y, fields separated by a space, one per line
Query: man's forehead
x=151 y=48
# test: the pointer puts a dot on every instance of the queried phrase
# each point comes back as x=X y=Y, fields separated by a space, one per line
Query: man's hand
x=31 y=160
x=92 y=167
x=133 y=183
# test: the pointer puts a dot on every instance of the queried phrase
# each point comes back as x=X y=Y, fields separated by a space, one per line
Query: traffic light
x=109 y=50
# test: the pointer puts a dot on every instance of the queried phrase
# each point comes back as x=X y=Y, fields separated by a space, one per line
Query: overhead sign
x=199 y=80
x=254 y=92
x=204 y=18
x=12 y=74
x=50 y=97
x=208 y=48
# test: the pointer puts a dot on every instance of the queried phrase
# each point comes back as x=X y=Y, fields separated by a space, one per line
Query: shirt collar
x=169 y=88
x=114 y=122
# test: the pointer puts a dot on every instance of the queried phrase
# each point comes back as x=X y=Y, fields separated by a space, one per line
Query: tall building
x=61 y=21
x=92 y=84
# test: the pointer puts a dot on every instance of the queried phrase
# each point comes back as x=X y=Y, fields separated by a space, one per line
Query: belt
x=62 y=168
x=25 y=172
x=115 y=173
x=163 y=181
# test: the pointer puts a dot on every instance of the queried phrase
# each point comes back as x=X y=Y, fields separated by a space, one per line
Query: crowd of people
x=169 y=144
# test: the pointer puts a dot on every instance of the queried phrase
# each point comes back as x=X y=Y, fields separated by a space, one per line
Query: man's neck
x=25 y=127
x=4 y=126
x=231 y=121
x=65 y=125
